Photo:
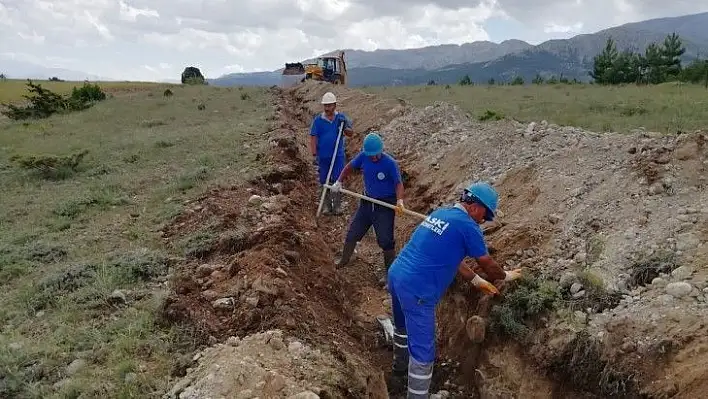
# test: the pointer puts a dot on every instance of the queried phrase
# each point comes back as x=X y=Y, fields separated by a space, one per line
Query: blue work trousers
x=416 y=317
x=380 y=217
x=323 y=166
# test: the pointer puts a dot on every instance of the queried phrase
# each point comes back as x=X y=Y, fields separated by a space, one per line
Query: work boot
x=389 y=256
x=346 y=254
x=337 y=203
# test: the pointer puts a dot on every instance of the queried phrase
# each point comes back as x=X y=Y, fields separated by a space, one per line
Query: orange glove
x=484 y=285
x=399 y=208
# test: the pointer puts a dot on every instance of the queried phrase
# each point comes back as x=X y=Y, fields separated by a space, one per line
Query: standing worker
x=323 y=138
x=382 y=181
x=424 y=269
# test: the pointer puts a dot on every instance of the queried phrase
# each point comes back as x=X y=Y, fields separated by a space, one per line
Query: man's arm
x=468 y=274
x=345 y=172
x=491 y=268
x=313 y=138
x=399 y=191
x=348 y=130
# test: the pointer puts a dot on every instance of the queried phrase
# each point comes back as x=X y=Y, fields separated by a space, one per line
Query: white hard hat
x=329 y=98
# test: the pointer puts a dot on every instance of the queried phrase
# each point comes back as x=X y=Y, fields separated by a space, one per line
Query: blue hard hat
x=484 y=194
x=373 y=145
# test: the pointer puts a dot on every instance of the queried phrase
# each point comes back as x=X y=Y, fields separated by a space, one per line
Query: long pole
x=378 y=202
x=329 y=173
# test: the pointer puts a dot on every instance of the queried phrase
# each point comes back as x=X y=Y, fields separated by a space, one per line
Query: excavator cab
x=330 y=69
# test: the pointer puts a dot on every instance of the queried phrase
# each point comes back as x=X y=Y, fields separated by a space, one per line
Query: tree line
x=658 y=64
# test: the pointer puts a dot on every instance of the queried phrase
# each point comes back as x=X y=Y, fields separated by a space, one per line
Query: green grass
x=12 y=90
x=666 y=108
x=68 y=240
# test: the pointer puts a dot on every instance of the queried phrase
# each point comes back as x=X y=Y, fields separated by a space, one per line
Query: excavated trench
x=269 y=261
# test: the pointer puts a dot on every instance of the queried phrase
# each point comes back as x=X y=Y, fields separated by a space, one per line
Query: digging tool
x=329 y=173
x=485 y=229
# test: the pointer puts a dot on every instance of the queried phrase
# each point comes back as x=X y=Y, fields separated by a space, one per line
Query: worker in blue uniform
x=324 y=131
x=425 y=268
x=382 y=181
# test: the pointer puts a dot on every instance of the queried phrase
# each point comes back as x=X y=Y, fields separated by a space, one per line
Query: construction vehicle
x=330 y=69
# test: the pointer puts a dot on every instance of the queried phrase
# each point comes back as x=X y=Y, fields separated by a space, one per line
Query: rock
x=277 y=343
x=252 y=300
x=118 y=297
x=580 y=257
x=223 y=303
x=292 y=256
x=658 y=282
x=579 y=294
x=575 y=288
x=628 y=346
x=305 y=395
x=75 y=366
x=204 y=270
x=232 y=341
x=296 y=348
x=282 y=272
x=567 y=279
x=580 y=316
x=678 y=289
x=255 y=200
x=275 y=382
x=553 y=218
x=682 y=273
x=210 y=295
x=245 y=394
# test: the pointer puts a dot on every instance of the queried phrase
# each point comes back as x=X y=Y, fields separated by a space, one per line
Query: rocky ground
x=618 y=221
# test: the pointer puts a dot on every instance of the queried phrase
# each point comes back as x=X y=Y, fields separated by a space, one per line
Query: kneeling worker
x=382 y=181
x=426 y=267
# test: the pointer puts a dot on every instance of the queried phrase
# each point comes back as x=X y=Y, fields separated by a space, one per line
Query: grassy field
x=11 y=90
x=664 y=108
x=70 y=238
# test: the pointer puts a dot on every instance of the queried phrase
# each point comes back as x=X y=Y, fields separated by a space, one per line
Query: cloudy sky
x=156 y=39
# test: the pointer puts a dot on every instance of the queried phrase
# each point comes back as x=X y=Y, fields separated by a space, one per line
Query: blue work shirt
x=381 y=177
x=327 y=132
x=427 y=264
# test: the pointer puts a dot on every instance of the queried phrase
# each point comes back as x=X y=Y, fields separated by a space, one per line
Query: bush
x=51 y=167
x=42 y=103
x=530 y=298
x=490 y=115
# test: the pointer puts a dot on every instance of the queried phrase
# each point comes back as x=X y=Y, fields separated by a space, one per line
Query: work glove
x=399 y=208
x=484 y=285
x=512 y=275
x=336 y=186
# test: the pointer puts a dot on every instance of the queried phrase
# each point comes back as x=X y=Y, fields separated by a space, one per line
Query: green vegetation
x=42 y=103
x=668 y=107
x=11 y=90
x=82 y=259
x=660 y=63
x=528 y=299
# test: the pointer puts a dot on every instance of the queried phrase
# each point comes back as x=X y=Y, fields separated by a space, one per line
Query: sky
x=157 y=39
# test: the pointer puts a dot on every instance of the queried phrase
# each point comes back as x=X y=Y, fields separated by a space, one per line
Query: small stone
x=682 y=273
x=296 y=347
x=554 y=218
x=580 y=257
x=204 y=270
x=678 y=289
x=292 y=256
x=658 y=282
x=567 y=279
x=579 y=294
x=223 y=303
x=252 y=300
x=575 y=288
x=75 y=366
x=118 y=297
x=255 y=200
x=628 y=346
x=277 y=343
x=281 y=272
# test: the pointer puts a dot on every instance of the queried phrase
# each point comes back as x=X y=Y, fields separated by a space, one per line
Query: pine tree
x=671 y=52
x=603 y=63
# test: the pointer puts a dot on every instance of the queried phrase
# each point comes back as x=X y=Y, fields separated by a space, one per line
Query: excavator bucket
x=293 y=74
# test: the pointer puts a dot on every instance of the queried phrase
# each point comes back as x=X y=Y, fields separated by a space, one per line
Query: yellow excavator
x=330 y=69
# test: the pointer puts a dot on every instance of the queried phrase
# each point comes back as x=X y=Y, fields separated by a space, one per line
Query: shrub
x=42 y=103
x=489 y=115
x=51 y=167
x=530 y=298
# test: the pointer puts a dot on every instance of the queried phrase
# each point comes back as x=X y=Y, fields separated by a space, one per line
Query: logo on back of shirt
x=438 y=226
x=381 y=175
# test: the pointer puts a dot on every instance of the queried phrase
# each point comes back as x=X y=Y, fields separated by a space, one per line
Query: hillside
x=485 y=60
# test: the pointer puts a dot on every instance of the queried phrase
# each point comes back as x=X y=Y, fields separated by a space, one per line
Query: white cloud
x=156 y=39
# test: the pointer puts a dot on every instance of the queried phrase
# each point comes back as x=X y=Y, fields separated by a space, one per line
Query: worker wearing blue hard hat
x=323 y=138
x=425 y=268
x=382 y=181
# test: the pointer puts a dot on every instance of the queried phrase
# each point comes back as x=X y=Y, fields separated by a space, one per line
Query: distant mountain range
x=484 y=60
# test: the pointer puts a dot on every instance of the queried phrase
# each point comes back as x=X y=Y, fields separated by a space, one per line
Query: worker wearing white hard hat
x=323 y=138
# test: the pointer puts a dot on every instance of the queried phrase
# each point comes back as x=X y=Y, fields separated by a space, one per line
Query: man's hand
x=399 y=208
x=512 y=275
x=484 y=285
x=348 y=132
x=336 y=186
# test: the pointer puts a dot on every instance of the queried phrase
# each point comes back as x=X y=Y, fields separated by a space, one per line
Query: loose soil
x=572 y=202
